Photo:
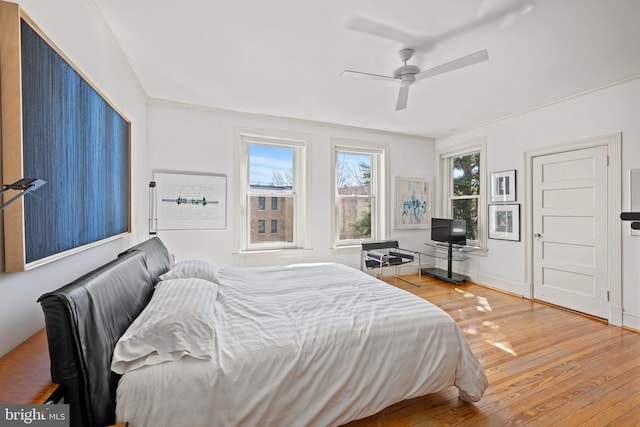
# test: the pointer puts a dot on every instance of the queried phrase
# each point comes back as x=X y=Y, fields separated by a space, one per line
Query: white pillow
x=178 y=321
x=192 y=268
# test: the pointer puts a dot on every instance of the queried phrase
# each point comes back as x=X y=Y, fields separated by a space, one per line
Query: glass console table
x=450 y=253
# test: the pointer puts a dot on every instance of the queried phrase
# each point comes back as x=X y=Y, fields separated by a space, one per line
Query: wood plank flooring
x=546 y=366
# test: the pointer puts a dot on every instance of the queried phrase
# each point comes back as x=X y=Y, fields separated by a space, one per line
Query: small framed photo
x=504 y=222
x=503 y=186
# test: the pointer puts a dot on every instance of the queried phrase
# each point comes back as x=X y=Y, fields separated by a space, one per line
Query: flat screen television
x=449 y=231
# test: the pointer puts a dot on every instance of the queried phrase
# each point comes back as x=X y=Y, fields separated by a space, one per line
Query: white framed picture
x=413 y=203
x=504 y=221
x=503 y=186
x=189 y=201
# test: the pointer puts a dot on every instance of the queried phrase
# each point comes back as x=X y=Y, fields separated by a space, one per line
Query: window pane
x=281 y=221
x=354 y=218
x=466 y=175
x=271 y=174
x=271 y=166
x=358 y=203
x=353 y=174
x=467 y=209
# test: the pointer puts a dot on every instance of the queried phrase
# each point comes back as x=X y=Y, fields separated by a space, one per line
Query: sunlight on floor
x=488 y=330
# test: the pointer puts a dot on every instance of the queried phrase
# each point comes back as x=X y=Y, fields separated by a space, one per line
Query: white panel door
x=569 y=227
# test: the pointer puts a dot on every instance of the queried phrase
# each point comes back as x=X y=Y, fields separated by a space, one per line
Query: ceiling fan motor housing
x=406 y=74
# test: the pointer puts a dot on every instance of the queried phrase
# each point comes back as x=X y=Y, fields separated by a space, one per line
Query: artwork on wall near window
x=503 y=186
x=504 y=221
x=413 y=203
x=189 y=201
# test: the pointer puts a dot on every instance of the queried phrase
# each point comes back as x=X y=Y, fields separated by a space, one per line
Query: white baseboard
x=631 y=320
x=497 y=283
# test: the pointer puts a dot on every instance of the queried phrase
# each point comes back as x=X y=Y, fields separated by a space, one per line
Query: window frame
x=299 y=143
x=379 y=186
x=444 y=167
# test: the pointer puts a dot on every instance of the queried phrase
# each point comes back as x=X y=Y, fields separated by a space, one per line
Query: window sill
x=346 y=248
x=272 y=251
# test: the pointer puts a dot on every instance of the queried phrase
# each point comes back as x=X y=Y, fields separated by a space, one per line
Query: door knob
x=537 y=235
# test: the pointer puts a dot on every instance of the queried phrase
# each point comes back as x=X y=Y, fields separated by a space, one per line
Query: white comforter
x=305 y=345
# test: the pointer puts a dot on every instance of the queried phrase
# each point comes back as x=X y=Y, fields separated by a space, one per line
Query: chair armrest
x=404 y=253
x=378 y=256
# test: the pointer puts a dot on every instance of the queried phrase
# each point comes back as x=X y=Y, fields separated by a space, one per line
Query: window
x=463 y=190
x=359 y=206
x=273 y=168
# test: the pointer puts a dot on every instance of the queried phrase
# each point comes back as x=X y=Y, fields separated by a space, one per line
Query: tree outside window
x=354 y=196
x=465 y=191
x=357 y=174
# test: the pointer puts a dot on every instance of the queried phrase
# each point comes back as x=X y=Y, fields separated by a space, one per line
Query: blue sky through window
x=264 y=160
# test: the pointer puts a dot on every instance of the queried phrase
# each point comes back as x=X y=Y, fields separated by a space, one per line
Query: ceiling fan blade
x=490 y=10
x=378 y=29
x=360 y=74
x=403 y=95
x=465 y=61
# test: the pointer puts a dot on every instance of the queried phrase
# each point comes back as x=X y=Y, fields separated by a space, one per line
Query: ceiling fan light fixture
x=407 y=80
x=406 y=74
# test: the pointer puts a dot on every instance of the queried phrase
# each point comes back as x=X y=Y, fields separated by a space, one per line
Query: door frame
x=613 y=142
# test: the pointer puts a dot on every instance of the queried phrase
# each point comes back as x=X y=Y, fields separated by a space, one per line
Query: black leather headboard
x=159 y=260
x=85 y=319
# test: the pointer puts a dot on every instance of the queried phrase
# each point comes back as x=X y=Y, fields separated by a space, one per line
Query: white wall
x=74 y=28
x=188 y=138
x=606 y=111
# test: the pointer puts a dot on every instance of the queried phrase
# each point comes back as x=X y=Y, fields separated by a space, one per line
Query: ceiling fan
x=408 y=74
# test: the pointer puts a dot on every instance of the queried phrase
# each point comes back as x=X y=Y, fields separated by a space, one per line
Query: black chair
x=388 y=254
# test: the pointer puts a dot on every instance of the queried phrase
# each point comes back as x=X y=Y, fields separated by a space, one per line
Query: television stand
x=451 y=253
x=445 y=275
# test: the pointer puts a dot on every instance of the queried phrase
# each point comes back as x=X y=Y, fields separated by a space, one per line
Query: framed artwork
x=57 y=126
x=413 y=203
x=188 y=201
x=503 y=186
x=504 y=221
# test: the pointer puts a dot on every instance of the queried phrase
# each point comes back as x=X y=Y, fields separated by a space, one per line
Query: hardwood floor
x=546 y=366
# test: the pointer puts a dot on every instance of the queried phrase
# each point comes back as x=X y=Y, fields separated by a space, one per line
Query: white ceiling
x=284 y=57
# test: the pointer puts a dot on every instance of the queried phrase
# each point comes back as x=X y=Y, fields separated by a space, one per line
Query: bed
x=306 y=344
